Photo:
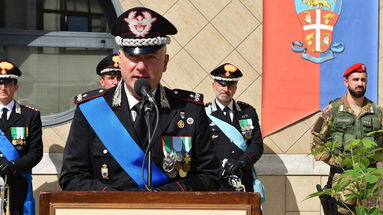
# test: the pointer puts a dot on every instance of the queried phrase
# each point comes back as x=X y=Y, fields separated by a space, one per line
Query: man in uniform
x=105 y=147
x=109 y=71
x=235 y=131
x=343 y=120
x=21 y=146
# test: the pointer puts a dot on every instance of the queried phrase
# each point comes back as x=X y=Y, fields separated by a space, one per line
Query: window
x=57 y=45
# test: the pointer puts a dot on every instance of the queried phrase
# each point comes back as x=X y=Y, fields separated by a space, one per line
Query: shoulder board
x=29 y=107
x=83 y=97
x=188 y=96
x=244 y=104
x=207 y=104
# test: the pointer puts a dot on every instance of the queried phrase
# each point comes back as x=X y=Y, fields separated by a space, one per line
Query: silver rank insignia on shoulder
x=105 y=171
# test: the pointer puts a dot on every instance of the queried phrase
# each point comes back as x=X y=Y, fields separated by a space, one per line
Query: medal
x=246 y=128
x=172 y=174
x=105 y=171
x=181 y=124
x=182 y=173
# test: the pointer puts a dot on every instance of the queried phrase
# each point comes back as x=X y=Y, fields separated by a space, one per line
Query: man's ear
x=166 y=61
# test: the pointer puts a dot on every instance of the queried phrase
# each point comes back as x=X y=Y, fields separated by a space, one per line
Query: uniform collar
x=366 y=108
x=116 y=102
x=221 y=106
x=9 y=106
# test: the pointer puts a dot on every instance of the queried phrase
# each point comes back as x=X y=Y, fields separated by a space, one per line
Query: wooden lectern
x=153 y=203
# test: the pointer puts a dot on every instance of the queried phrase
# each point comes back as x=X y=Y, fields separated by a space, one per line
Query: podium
x=153 y=203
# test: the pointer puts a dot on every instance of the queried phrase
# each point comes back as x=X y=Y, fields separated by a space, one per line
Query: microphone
x=142 y=88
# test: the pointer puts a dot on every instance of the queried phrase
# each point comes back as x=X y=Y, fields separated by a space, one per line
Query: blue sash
x=232 y=133
x=118 y=141
x=11 y=154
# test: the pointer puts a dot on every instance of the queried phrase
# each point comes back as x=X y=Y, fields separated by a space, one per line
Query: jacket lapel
x=166 y=113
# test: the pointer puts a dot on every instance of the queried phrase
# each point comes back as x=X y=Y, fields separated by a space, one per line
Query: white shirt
x=221 y=106
x=133 y=101
x=9 y=106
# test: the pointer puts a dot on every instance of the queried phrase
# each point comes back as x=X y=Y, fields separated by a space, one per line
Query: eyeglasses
x=7 y=83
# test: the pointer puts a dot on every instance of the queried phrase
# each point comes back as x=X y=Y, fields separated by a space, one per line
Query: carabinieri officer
x=105 y=149
x=21 y=146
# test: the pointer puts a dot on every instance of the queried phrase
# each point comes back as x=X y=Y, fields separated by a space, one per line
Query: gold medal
x=182 y=173
x=181 y=124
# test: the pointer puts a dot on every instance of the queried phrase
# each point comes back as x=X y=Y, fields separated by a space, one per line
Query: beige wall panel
x=275 y=194
x=126 y=4
x=301 y=146
x=209 y=48
x=251 y=49
x=270 y=147
x=250 y=75
x=210 y=8
x=206 y=89
x=289 y=135
x=161 y=6
x=255 y=7
x=252 y=95
x=235 y=22
x=184 y=72
x=52 y=140
x=173 y=49
x=188 y=20
x=297 y=189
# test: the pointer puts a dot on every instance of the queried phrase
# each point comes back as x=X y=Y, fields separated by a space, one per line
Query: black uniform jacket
x=85 y=154
x=29 y=147
x=225 y=148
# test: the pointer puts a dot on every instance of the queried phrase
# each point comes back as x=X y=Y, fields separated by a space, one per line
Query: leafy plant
x=361 y=182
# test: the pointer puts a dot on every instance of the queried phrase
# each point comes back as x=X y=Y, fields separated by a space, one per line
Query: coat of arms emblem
x=318 y=19
x=140 y=25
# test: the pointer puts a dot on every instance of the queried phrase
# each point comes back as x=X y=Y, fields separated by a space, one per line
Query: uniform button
x=2 y=133
x=105 y=151
x=232 y=152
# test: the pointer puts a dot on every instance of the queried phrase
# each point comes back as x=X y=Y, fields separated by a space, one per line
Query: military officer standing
x=235 y=131
x=109 y=71
x=107 y=140
x=351 y=117
x=21 y=144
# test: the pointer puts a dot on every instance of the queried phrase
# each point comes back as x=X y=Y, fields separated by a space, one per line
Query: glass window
x=57 y=45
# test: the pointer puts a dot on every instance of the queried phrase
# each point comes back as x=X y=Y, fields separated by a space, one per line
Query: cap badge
x=229 y=69
x=363 y=67
x=4 y=66
x=115 y=60
x=140 y=26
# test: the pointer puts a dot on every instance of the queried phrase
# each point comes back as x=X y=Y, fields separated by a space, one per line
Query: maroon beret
x=358 y=67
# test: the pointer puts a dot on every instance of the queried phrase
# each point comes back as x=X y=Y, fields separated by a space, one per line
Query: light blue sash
x=118 y=141
x=233 y=134
x=11 y=154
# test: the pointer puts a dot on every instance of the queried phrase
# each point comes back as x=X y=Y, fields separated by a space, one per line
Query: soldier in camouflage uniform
x=343 y=120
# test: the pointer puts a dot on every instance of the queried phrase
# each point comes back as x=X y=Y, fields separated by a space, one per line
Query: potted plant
x=361 y=182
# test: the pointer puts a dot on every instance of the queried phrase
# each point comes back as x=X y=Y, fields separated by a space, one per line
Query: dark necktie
x=4 y=118
x=139 y=122
x=226 y=113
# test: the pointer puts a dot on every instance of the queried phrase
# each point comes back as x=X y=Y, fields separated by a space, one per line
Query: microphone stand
x=148 y=107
